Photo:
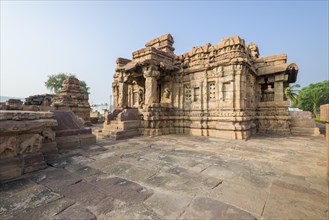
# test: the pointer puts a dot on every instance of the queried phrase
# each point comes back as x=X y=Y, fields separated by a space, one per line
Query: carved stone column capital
x=151 y=71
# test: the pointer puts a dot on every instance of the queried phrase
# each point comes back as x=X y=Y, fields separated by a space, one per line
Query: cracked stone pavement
x=177 y=177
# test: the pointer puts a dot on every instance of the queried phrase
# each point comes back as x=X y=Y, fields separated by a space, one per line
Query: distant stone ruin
x=43 y=100
x=72 y=98
x=12 y=104
x=223 y=90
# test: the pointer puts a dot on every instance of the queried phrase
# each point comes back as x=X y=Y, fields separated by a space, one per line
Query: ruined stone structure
x=224 y=90
x=12 y=104
x=122 y=124
x=70 y=131
x=26 y=141
x=43 y=100
x=302 y=123
x=30 y=139
x=72 y=98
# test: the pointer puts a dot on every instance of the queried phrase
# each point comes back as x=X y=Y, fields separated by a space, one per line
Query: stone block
x=49 y=148
x=10 y=168
x=33 y=161
x=76 y=211
x=87 y=140
x=68 y=142
x=205 y=208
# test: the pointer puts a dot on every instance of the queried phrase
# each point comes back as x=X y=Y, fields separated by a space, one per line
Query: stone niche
x=72 y=98
x=224 y=90
x=26 y=142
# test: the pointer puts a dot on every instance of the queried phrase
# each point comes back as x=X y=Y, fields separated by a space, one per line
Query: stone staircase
x=303 y=124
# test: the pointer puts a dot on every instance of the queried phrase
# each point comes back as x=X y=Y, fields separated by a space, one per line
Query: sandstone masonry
x=72 y=98
x=224 y=90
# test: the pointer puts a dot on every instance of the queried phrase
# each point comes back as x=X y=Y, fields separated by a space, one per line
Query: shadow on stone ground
x=177 y=177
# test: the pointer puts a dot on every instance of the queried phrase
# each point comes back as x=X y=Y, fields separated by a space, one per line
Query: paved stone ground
x=177 y=177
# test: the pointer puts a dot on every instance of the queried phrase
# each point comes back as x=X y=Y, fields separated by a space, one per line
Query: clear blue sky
x=85 y=37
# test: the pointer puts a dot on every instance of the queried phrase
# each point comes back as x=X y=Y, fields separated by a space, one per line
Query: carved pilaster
x=151 y=75
x=122 y=91
x=278 y=88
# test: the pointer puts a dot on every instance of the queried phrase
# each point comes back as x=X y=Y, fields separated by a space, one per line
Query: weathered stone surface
x=13 y=104
x=75 y=212
x=90 y=196
x=122 y=124
x=205 y=208
x=23 y=194
x=56 y=179
x=32 y=162
x=70 y=131
x=10 y=168
x=131 y=211
x=23 y=135
x=44 y=100
x=225 y=90
x=71 y=97
x=123 y=189
x=46 y=211
x=303 y=124
x=24 y=115
x=168 y=204
x=312 y=204
x=177 y=177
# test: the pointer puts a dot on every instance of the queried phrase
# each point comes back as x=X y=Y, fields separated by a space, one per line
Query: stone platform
x=70 y=131
x=177 y=177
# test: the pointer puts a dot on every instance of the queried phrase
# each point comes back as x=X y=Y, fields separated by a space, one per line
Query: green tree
x=312 y=96
x=55 y=82
x=292 y=94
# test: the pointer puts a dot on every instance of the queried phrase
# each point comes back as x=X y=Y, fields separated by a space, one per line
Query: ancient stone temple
x=223 y=90
x=72 y=98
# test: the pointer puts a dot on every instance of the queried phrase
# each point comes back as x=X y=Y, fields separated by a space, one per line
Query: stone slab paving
x=177 y=177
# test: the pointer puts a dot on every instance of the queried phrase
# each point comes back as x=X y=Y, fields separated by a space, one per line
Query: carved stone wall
x=223 y=90
x=26 y=141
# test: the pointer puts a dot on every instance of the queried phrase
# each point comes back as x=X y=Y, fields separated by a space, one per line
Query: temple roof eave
x=288 y=68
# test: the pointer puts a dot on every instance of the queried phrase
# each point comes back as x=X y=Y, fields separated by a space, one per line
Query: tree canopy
x=55 y=82
x=312 y=96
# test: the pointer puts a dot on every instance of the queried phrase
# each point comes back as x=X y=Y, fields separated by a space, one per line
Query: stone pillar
x=278 y=88
x=151 y=74
x=115 y=95
x=123 y=93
